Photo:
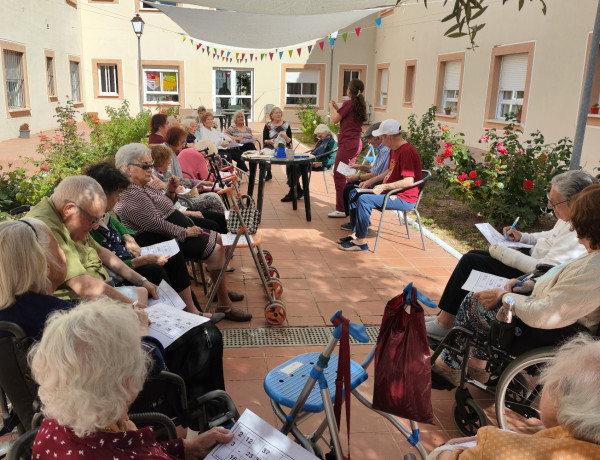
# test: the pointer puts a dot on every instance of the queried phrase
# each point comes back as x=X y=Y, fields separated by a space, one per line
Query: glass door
x=232 y=90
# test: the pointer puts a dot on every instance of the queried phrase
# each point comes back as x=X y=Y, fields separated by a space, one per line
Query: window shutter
x=384 y=80
x=302 y=76
x=513 y=72
x=452 y=76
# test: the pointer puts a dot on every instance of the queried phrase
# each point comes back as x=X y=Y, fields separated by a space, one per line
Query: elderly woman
x=154 y=218
x=85 y=397
x=568 y=409
x=34 y=266
x=222 y=141
x=552 y=247
x=190 y=125
x=117 y=238
x=159 y=126
x=207 y=201
x=326 y=142
x=276 y=128
x=562 y=301
x=242 y=134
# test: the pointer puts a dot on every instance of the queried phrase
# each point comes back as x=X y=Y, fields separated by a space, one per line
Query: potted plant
x=24 y=131
x=448 y=110
x=595 y=109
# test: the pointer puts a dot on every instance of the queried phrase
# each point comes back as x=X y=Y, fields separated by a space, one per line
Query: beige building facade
x=526 y=63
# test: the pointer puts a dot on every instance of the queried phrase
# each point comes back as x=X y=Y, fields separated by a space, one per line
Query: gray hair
x=187 y=121
x=89 y=364
x=572 y=380
x=25 y=264
x=82 y=189
x=239 y=112
x=129 y=154
x=570 y=183
x=201 y=108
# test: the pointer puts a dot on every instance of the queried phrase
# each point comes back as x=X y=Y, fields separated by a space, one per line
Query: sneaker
x=434 y=330
x=347 y=226
x=346 y=239
x=234 y=314
x=336 y=214
x=450 y=375
x=287 y=198
x=350 y=246
x=269 y=176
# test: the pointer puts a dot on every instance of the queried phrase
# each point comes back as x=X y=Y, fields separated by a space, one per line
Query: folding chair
x=317 y=159
x=426 y=175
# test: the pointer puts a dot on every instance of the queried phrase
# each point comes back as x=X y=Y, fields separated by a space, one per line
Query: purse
x=250 y=216
x=402 y=362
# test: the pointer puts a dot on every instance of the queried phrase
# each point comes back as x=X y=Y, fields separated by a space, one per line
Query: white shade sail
x=291 y=7
x=258 y=31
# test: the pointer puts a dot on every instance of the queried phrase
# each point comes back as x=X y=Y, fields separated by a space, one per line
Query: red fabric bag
x=402 y=361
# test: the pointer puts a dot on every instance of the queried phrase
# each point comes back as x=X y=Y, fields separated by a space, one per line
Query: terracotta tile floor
x=318 y=280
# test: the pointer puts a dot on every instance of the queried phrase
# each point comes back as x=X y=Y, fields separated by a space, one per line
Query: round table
x=303 y=161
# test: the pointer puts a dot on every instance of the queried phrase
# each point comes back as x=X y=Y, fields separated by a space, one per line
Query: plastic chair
x=317 y=159
x=425 y=176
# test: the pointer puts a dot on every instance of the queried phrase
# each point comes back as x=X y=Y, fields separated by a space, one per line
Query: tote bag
x=402 y=361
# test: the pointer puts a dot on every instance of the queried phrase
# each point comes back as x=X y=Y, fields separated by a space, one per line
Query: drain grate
x=284 y=337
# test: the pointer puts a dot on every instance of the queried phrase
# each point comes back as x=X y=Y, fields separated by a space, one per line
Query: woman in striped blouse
x=154 y=218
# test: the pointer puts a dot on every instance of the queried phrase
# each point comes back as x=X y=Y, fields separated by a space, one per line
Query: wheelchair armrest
x=543 y=268
x=187 y=174
x=176 y=380
x=155 y=418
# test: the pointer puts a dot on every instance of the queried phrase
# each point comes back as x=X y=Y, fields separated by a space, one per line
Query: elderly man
x=75 y=208
x=404 y=169
x=378 y=167
x=552 y=247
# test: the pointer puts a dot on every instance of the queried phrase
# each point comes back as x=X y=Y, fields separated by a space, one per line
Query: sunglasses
x=144 y=166
x=93 y=220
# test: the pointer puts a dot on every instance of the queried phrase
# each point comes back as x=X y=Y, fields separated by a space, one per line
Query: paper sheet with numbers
x=255 y=439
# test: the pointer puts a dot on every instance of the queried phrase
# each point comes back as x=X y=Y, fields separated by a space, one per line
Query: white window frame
x=303 y=96
x=513 y=101
x=352 y=77
x=451 y=91
x=383 y=87
x=171 y=93
x=17 y=81
x=111 y=72
x=75 y=81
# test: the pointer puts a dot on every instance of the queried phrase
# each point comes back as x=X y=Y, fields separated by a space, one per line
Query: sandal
x=234 y=314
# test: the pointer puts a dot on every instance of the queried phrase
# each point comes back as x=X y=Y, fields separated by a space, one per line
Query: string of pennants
x=228 y=56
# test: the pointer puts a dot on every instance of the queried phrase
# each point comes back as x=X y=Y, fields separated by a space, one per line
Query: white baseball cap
x=389 y=127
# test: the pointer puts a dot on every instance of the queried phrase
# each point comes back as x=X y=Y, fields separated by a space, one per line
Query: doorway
x=233 y=89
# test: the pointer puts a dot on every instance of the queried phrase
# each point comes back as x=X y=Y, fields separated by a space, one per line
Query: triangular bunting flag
x=378 y=21
x=309 y=48
x=198 y=46
x=237 y=55
x=191 y=41
x=262 y=56
x=345 y=36
x=299 y=51
x=280 y=54
x=184 y=37
x=357 y=30
x=251 y=56
x=331 y=40
x=222 y=52
x=228 y=53
x=271 y=56
x=245 y=60
x=321 y=45
x=290 y=51
x=243 y=54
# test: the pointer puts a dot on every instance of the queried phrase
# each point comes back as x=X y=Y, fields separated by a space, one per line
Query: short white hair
x=80 y=189
x=89 y=364
x=24 y=266
x=187 y=121
x=129 y=154
x=572 y=379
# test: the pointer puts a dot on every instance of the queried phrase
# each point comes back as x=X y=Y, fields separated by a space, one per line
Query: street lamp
x=138 y=27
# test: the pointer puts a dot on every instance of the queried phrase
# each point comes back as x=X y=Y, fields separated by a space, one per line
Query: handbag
x=250 y=216
x=402 y=362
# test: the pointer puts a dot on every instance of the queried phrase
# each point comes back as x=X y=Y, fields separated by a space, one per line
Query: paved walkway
x=318 y=280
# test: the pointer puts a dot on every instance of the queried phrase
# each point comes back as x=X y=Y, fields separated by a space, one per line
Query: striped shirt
x=146 y=210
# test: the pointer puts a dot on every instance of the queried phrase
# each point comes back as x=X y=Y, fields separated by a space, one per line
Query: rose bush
x=510 y=178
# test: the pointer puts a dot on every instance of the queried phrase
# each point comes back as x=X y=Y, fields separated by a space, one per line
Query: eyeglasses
x=551 y=204
x=93 y=220
x=144 y=166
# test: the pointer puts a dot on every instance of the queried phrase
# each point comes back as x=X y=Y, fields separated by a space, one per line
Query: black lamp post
x=138 y=27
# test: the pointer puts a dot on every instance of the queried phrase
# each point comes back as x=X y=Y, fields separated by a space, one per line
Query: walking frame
x=274 y=311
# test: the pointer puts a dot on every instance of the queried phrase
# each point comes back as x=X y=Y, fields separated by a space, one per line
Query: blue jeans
x=361 y=206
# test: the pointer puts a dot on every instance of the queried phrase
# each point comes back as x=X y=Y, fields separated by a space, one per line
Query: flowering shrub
x=310 y=119
x=426 y=135
x=510 y=179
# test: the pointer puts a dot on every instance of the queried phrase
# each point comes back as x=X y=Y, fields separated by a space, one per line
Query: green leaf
x=521 y=3
x=456 y=34
x=478 y=13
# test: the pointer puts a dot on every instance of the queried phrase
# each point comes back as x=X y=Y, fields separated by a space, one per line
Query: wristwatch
x=141 y=281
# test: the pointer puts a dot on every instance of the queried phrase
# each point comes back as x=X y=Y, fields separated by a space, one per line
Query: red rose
x=527 y=184
x=462 y=177
x=477 y=183
x=472 y=174
x=448 y=145
x=447 y=154
x=439 y=159
x=45 y=167
x=44 y=137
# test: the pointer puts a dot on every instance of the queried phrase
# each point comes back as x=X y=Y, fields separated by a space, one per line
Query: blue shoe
x=346 y=239
x=350 y=246
x=347 y=226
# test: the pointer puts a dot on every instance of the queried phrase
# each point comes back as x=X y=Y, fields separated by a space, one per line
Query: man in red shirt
x=404 y=169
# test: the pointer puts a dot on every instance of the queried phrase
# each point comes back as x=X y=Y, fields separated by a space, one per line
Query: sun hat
x=389 y=127
x=369 y=132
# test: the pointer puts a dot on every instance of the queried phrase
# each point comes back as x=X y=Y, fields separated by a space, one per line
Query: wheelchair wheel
x=469 y=418
x=518 y=391
x=275 y=313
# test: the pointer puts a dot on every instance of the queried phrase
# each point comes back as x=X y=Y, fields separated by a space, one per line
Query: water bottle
x=505 y=314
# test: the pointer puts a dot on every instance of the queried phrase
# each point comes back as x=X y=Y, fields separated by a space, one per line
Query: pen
x=522 y=281
x=511 y=227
